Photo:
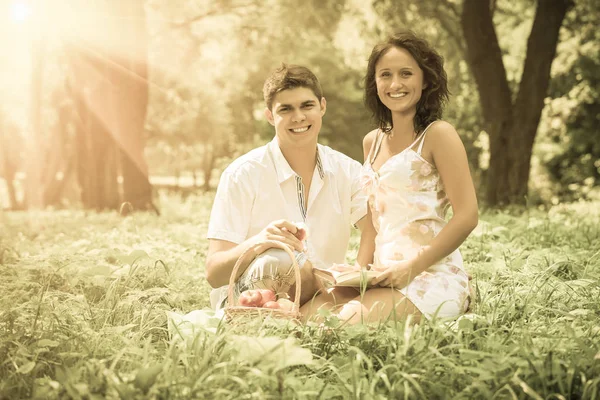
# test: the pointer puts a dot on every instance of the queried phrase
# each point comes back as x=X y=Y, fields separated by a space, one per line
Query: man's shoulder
x=248 y=162
x=338 y=160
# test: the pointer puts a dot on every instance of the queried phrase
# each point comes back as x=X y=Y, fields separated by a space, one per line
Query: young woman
x=415 y=169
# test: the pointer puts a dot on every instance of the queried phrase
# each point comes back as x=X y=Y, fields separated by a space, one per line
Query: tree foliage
x=208 y=61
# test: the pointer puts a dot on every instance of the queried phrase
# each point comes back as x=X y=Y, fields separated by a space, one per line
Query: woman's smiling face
x=399 y=81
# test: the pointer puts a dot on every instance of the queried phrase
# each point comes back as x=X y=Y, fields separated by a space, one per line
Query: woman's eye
x=406 y=73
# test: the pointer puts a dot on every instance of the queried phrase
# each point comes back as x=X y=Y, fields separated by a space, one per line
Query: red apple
x=267 y=295
x=251 y=298
x=272 y=304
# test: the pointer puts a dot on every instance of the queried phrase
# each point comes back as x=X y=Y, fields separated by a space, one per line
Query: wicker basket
x=234 y=310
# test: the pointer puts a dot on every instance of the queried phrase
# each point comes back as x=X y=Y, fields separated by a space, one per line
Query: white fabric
x=261 y=187
x=409 y=206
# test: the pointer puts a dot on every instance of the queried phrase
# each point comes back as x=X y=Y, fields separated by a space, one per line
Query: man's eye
x=309 y=106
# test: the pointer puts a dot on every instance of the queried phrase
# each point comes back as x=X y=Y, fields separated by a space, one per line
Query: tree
x=110 y=88
x=511 y=125
x=511 y=108
x=572 y=145
x=439 y=23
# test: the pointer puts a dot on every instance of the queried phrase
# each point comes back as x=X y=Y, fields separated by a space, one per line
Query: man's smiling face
x=297 y=117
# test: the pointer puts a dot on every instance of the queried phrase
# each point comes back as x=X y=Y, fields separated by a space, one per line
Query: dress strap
x=371 y=149
x=423 y=138
x=377 y=146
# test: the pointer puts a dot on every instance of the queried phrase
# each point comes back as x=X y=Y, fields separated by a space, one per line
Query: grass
x=85 y=295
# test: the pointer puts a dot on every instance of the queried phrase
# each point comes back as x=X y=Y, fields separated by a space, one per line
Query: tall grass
x=84 y=301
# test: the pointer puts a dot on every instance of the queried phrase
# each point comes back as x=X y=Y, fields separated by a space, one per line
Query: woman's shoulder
x=369 y=139
x=440 y=127
x=441 y=132
x=443 y=137
x=371 y=135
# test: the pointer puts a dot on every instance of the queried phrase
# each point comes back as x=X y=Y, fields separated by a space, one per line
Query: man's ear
x=269 y=116
x=323 y=106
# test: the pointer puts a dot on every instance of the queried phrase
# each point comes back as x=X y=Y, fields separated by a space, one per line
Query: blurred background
x=106 y=101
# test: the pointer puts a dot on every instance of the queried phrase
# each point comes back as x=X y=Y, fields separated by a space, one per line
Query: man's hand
x=281 y=231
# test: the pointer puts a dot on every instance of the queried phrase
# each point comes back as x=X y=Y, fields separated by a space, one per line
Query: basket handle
x=249 y=254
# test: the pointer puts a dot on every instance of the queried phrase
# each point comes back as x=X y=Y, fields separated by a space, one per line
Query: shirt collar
x=283 y=169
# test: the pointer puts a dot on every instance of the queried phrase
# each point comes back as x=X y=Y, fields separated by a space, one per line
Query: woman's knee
x=380 y=305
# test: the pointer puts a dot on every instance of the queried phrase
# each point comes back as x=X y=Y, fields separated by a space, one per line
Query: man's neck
x=301 y=159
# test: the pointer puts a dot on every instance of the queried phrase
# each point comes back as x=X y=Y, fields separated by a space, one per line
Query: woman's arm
x=446 y=151
x=448 y=154
x=368 y=232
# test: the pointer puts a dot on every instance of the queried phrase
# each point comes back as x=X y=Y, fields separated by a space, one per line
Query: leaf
x=132 y=257
x=271 y=353
x=26 y=368
x=146 y=377
x=99 y=270
x=187 y=326
x=580 y=311
x=47 y=343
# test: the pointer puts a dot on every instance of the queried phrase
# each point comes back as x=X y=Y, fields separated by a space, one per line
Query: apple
x=272 y=304
x=267 y=295
x=251 y=298
x=286 y=304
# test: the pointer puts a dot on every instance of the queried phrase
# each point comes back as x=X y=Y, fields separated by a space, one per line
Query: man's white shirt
x=260 y=187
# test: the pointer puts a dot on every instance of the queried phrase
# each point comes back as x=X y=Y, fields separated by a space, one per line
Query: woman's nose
x=395 y=82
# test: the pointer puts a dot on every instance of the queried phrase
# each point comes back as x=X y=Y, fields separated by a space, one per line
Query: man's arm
x=222 y=254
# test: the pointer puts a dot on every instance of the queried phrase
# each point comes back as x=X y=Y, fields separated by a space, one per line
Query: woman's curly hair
x=434 y=96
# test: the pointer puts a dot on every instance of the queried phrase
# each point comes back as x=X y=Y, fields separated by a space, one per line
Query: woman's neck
x=403 y=125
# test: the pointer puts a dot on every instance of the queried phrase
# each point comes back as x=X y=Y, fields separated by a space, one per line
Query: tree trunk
x=511 y=126
x=208 y=165
x=132 y=83
x=34 y=194
x=111 y=75
x=9 y=167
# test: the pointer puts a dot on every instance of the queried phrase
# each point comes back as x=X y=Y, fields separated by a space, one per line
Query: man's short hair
x=290 y=77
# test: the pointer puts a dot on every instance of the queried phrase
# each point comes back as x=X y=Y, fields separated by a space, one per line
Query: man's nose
x=298 y=116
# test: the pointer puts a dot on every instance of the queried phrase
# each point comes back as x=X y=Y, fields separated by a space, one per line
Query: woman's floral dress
x=408 y=205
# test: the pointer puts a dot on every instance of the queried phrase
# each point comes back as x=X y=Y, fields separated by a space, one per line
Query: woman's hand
x=398 y=275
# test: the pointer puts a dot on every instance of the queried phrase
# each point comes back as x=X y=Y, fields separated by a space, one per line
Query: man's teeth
x=396 y=95
x=300 y=130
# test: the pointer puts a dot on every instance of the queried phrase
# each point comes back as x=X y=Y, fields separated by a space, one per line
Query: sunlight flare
x=20 y=11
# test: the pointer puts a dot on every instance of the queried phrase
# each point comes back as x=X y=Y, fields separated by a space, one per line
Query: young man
x=262 y=194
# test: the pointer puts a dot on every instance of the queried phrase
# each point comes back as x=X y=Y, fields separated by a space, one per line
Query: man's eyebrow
x=308 y=102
